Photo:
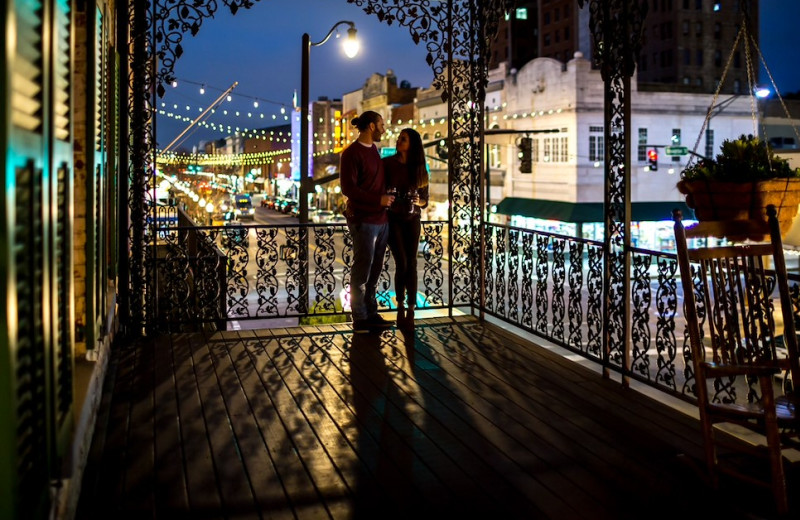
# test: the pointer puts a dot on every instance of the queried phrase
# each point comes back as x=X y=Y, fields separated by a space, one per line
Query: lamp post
x=350 y=49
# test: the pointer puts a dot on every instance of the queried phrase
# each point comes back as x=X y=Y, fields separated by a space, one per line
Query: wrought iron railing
x=211 y=275
x=551 y=285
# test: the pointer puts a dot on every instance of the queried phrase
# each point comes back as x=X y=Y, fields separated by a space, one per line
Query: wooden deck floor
x=457 y=419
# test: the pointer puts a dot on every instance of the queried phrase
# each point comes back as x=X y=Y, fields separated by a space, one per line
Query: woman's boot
x=401 y=316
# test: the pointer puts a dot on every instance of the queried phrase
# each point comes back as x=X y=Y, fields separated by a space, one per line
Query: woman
x=406 y=172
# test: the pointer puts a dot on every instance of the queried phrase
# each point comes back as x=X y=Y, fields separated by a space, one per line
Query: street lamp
x=351 y=49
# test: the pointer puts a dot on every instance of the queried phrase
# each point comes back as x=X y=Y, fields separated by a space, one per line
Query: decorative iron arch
x=456 y=35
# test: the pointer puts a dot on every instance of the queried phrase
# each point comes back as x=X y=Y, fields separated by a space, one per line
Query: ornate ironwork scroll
x=575 y=312
x=433 y=256
x=527 y=280
x=616 y=30
x=542 y=273
x=513 y=274
x=557 y=300
x=641 y=294
x=667 y=307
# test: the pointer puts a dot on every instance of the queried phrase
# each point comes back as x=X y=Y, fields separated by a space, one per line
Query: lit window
x=522 y=13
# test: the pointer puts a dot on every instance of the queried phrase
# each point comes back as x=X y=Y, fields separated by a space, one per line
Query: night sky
x=261 y=48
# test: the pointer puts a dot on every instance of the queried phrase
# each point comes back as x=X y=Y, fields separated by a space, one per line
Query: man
x=361 y=177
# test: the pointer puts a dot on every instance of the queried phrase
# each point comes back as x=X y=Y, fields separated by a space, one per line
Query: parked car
x=265 y=202
x=280 y=202
x=287 y=207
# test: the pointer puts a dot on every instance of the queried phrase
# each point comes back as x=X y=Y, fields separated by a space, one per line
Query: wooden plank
x=382 y=440
x=140 y=455
x=291 y=443
x=236 y=374
x=510 y=428
x=102 y=480
x=232 y=481
x=201 y=480
x=170 y=485
x=457 y=460
x=619 y=440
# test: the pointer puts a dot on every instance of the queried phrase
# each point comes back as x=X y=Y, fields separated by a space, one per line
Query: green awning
x=581 y=212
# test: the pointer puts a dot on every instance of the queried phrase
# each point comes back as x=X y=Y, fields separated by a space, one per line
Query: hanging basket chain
x=777 y=92
x=716 y=95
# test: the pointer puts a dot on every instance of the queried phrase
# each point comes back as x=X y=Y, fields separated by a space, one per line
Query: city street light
x=350 y=46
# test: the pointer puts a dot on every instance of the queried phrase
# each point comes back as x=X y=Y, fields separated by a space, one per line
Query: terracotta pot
x=715 y=200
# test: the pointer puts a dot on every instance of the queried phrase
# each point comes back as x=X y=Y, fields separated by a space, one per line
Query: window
x=737 y=60
x=547 y=18
x=686 y=80
x=687 y=57
x=522 y=13
x=685 y=27
x=547 y=39
x=564 y=141
x=566 y=33
x=709 y=143
x=717 y=58
x=737 y=86
x=717 y=31
x=642 y=155
x=698 y=4
x=698 y=81
x=558 y=36
x=548 y=146
x=699 y=60
x=534 y=150
x=557 y=14
x=596 y=149
x=494 y=156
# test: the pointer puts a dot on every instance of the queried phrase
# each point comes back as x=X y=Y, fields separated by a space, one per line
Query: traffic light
x=652 y=159
x=525 y=162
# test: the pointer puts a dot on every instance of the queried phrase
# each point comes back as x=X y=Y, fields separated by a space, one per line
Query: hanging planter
x=741 y=182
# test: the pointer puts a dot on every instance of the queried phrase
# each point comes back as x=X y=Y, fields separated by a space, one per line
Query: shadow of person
x=408 y=342
x=386 y=485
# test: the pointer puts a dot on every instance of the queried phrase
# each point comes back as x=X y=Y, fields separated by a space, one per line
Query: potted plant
x=741 y=182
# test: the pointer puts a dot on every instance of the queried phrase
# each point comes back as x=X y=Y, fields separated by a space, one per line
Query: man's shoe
x=377 y=321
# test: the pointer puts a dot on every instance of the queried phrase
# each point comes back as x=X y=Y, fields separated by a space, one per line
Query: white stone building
x=568 y=165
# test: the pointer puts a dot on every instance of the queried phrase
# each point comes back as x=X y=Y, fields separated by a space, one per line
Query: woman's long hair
x=415 y=159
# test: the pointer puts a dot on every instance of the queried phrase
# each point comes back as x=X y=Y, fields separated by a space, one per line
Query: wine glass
x=412 y=193
x=391 y=190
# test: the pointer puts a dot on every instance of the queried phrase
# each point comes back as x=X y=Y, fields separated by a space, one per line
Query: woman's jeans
x=369 y=248
x=404 y=241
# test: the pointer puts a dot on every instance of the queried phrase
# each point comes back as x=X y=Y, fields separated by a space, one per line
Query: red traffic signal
x=652 y=159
